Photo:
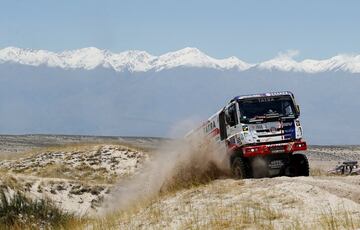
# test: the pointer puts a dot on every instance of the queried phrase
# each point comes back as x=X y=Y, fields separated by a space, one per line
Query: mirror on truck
x=298 y=110
x=222 y=125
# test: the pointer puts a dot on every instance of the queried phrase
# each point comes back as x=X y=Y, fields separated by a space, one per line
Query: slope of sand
x=79 y=178
x=278 y=203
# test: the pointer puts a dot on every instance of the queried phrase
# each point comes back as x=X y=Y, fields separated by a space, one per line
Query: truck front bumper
x=289 y=147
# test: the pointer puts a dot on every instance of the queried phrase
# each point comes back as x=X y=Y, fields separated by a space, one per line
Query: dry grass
x=9 y=181
x=154 y=215
x=239 y=215
x=203 y=206
x=318 y=172
x=82 y=172
x=39 y=150
x=84 y=146
x=339 y=219
x=62 y=148
x=15 y=156
x=190 y=176
x=246 y=215
x=20 y=212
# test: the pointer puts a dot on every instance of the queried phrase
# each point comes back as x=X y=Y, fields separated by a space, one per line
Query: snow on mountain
x=87 y=58
x=141 y=61
x=285 y=62
x=195 y=58
x=133 y=61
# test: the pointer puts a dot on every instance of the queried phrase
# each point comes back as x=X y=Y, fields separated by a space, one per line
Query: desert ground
x=113 y=183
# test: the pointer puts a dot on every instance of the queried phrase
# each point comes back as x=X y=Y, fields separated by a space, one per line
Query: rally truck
x=260 y=134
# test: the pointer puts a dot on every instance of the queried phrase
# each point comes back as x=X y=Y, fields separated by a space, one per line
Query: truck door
x=222 y=125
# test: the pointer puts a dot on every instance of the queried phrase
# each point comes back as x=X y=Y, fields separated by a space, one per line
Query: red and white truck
x=261 y=134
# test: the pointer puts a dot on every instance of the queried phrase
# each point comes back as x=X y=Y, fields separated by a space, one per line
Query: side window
x=231 y=116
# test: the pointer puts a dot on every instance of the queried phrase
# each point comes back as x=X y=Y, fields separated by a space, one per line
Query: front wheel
x=240 y=169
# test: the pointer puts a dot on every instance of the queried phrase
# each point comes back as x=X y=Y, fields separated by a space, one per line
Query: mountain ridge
x=141 y=61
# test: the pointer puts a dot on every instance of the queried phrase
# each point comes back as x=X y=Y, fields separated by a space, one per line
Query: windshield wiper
x=264 y=117
x=283 y=117
x=257 y=118
x=272 y=115
x=268 y=116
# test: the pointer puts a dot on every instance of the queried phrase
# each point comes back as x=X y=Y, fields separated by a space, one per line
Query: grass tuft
x=339 y=219
x=318 y=172
x=20 y=212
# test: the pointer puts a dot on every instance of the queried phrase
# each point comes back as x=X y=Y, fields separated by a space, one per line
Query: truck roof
x=269 y=94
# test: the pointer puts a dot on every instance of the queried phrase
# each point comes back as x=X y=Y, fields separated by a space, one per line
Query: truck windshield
x=254 y=109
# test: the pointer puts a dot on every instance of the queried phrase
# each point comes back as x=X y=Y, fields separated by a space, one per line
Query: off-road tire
x=240 y=169
x=299 y=165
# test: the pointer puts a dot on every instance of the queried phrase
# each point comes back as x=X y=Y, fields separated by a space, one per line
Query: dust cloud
x=177 y=165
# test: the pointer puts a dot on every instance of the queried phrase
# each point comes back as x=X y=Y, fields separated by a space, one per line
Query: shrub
x=20 y=212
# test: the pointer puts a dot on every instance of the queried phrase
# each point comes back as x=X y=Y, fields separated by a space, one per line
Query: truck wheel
x=299 y=165
x=240 y=169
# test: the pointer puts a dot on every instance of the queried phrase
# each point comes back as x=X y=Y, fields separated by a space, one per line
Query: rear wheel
x=240 y=168
x=299 y=165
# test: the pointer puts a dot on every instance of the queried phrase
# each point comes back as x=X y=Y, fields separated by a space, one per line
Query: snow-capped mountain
x=141 y=61
x=348 y=63
x=132 y=61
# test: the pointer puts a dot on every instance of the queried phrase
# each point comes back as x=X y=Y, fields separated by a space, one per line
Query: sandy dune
x=79 y=175
x=277 y=203
x=76 y=178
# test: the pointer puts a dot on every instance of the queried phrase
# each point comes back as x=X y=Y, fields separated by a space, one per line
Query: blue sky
x=252 y=30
